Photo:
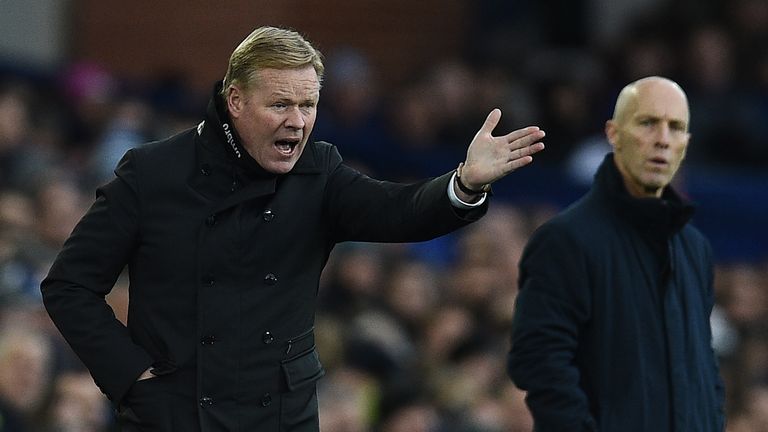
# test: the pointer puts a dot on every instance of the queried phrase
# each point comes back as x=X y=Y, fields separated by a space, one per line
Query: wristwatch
x=484 y=189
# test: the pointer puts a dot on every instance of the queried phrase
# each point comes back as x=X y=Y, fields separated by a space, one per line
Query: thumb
x=491 y=121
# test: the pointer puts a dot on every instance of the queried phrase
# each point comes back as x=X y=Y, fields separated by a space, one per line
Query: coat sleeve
x=552 y=305
x=84 y=272
x=719 y=386
x=361 y=208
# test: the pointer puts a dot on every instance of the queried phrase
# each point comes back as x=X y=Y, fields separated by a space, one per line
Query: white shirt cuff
x=457 y=202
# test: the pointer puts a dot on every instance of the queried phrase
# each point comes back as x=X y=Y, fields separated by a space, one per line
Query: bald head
x=627 y=102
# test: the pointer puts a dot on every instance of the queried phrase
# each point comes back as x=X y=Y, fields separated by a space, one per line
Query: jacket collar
x=665 y=215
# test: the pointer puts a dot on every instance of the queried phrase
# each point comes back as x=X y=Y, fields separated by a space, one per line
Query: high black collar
x=226 y=139
x=217 y=117
x=665 y=215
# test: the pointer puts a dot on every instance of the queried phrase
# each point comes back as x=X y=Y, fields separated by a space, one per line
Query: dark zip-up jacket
x=611 y=329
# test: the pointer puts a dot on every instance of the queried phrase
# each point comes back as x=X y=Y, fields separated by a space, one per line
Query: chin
x=280 y=167
x=658 y=180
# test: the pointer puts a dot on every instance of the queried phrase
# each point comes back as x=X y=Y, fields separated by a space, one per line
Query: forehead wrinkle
x=298 y=90
x=283 y=82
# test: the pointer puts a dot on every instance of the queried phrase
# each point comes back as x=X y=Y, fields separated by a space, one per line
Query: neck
x=635 y=189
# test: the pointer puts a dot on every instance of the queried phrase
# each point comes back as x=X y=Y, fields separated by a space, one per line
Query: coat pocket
x=145 y=406
x=302 y=369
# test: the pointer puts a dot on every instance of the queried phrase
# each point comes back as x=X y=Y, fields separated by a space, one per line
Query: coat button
x=208 y=340
x=209 y=280
x=205 y=169
x=268 y=215
x=206 y=401
x=266 y=400
x=270 y=279
x=267 y=337
x=210 y=220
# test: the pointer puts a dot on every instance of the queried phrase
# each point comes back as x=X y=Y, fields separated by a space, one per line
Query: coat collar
x=665 y=215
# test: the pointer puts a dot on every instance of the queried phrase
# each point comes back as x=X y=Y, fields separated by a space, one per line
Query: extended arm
x=360 y=208
x=364 y=209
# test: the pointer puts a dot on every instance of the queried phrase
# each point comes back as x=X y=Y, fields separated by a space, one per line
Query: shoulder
x=318 y=157
x=575 y=221
x=165 y=154
x=173 y=147
x=326 y=153
x=574 y=231
x=696 y=243
x=557 y=235
x=691 y=233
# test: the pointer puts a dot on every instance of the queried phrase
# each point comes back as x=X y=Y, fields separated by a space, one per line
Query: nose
x=294 y=118
x=663 y=135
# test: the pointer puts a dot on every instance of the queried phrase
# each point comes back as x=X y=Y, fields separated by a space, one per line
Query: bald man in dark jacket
x=611 y=328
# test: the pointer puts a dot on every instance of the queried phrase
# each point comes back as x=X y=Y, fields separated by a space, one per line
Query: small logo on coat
x=231 y=139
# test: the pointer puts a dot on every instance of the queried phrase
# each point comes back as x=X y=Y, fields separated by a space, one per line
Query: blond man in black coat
x=225 y=229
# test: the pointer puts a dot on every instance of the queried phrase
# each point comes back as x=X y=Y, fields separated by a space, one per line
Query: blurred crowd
x=413 y=337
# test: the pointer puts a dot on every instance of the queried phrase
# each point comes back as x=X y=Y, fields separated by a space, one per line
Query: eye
x=307 y=107
x=677 y=127
x=279 y=105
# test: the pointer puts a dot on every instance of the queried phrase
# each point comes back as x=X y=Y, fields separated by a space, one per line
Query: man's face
x=275 y=116
x=651 y=139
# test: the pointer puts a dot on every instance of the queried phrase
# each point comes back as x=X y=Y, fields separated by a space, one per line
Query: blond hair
x=270 y=48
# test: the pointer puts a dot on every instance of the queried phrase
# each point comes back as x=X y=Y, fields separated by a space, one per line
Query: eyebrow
x=641 y=116
x=674 y=122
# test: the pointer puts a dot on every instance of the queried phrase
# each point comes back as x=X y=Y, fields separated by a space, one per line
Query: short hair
x=270 y=48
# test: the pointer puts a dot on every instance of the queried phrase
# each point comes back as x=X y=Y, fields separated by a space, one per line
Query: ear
x=687 y=141
x=235 y=101
x=612 y=133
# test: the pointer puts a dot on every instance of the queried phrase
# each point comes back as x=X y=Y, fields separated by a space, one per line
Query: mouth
x=658 y=162
x=287 y=146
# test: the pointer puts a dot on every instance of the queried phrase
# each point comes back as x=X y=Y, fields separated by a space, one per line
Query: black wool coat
x=224 y=262
x=611 y=328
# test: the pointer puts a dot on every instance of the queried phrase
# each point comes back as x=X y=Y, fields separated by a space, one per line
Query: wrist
x=469 y=189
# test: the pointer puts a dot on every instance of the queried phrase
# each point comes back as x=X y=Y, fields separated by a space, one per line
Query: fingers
x=526 y=152
x=521 y=157
x=518 y=163
x=491 y=121
x=525 y=136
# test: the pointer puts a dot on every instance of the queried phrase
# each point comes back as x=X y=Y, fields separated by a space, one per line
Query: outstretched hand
x=490 y=158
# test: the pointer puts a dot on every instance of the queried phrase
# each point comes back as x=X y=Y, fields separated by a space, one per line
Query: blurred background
x=413 y=337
